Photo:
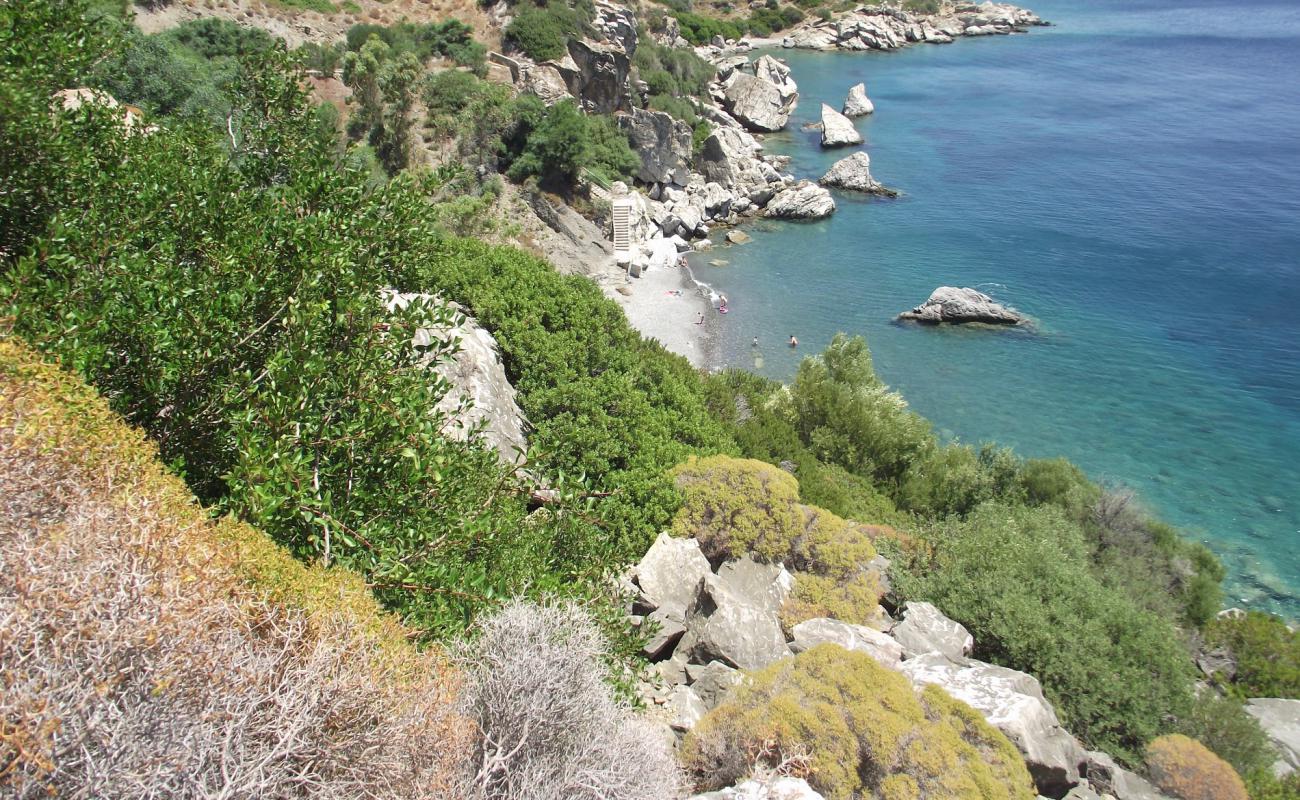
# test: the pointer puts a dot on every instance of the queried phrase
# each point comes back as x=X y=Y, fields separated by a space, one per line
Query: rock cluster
x=762 y=98
x=884 y=27
x=953 y=305
x=804 y=200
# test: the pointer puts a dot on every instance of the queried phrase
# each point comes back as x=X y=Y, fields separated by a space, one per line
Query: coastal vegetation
x=218 y=282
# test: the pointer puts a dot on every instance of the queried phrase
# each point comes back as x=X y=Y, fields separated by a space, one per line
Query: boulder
x=925 y=630
x=1112 y=780
x=481 y=396
x=857 y=104
x=598 y=77
x=1012 y=702
x=669 y=629
x=778 y=74
x=757 y=103
x=738 y=237
x=778 y=788
x=804 y=200
x=837 y=129
x=685 y=708
x=765 y=586
x=669 y=574
x=662 y=143
x=545 y=81
x=726 y=625
x=854 y=173
x=860 y=638
x=957 y=306
x=712 y=681
x=1280 y=719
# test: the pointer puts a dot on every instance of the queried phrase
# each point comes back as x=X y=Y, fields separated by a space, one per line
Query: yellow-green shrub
x=1185 y=768
x=856 y=728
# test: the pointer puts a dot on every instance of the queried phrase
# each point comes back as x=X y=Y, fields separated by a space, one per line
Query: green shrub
x=854 y=729
x=698 y=29
x=1019 y=579
x=1184 y=768
x=542 y=32
x=566 y=141
x=735 y=507
x=1267 y=653
x=1264 y=785
x=1223 y=725
x=672 y=71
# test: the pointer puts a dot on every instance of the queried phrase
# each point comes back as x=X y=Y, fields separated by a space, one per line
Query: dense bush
x=1184 y=768
x=383 y=86
x=698 y=29
x=150 y=651
x=564 y=141
x=765 y=21
x=450 y=38
x=542 y=32
x=1018 y=578
x=1223 y=725
x=548 y=726
x=672 y=71
x=854 y=728
x=1267 y=653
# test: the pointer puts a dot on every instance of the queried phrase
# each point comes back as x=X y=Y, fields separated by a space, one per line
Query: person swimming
x=755 y=342
x=793 y=341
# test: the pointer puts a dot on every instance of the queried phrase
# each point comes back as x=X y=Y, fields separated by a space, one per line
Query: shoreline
x=664 y=304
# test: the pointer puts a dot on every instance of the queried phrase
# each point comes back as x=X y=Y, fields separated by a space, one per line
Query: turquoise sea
x=1129 y=177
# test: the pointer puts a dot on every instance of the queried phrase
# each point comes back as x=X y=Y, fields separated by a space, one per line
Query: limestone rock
x=1280 y=719
x=860 y=638
x=857 y=104
x=599 y=76
x=725 y=625
x=712 y=681
x=1112 y=780
x=780 y=788
x=685 y=708
x=778 y=74
x=765 y=586
x=925 y=630
x=1012 y=702
x=480 y=394
x=757 y=103
x=669 y=574
x=738 y=237
x=837 y=129
x=953 y=305
x=663 y=144
x=804 y=200
x=854 y=173
x=545 y=81
x=670 y=627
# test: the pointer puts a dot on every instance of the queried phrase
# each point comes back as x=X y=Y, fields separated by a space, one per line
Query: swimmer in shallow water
x=755 y=342
x=793 y=341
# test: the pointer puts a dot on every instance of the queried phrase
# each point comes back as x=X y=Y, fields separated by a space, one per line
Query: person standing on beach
x=700 y=318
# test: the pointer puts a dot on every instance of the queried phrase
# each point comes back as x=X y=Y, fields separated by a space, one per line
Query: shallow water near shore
x=1129 y=178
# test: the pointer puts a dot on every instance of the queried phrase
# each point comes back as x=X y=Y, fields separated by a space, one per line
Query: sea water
x=1130 y=178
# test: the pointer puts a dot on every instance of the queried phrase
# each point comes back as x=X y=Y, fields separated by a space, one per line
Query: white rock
x=669 y=574
x=837 y=129
x=925 y=629
x=1280 y=719
x=804 y=200
x=857 y=638
x=857 y=104
x=785 y=788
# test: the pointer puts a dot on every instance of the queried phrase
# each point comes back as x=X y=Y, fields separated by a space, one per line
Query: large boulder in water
x=1013 y=703
x=950 y=304
x=778 y=74
x=804 y=200
x=854 y=173
x=857 y=104
x=837 y=129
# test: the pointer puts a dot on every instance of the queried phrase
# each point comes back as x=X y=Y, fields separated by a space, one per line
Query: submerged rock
x=837 y=129
x=950 y=304
x=804 y=200
x=857 y=104
x=854 y=173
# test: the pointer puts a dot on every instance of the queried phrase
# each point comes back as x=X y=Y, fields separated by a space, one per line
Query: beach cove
x=1125 y=178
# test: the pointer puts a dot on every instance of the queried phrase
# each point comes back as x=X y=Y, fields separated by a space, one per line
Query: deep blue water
x=1131 y=179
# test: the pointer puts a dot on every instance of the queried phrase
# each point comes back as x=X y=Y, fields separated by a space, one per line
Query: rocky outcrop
x=595 y=73
x=668 y=576
x=854 y=173
x=731 y=623
x=883 y=27
x=1108 y=779
x=857 y=104
x=778 y=74
x=663 y=144
x=544 y=80
x=804 y=200
x=837 y=129
x=880 y=646
x=481 y=400
x=925 y=630
x=1280 y=719
x=756 y=102
x=779 y=788
x=1012 y=702
x=957 y=306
